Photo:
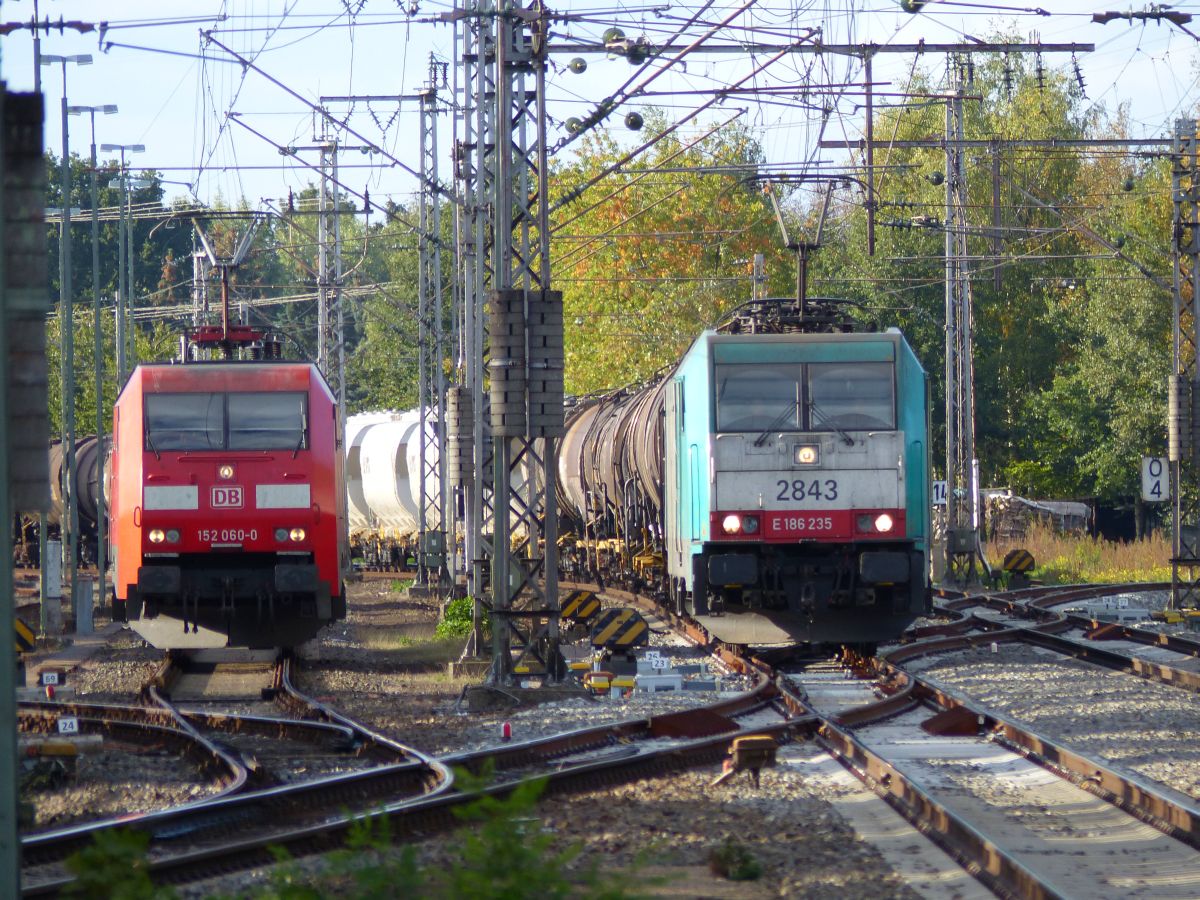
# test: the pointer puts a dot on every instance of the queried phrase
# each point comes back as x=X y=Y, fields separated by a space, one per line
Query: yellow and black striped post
x=579 y=606
x=620 y=628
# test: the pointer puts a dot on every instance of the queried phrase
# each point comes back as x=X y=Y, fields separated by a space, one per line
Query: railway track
x=889 y=742
x=865 y=722
x=243 y=804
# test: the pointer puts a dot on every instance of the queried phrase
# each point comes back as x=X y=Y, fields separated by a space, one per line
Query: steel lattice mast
x=503 y=58
x=962 y=496
x=431 y=388
x=1184 y=449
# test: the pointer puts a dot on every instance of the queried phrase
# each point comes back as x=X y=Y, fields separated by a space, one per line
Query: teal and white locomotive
x=779 y=477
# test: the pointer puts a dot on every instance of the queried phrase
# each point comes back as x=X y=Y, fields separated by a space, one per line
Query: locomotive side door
x=674 y=497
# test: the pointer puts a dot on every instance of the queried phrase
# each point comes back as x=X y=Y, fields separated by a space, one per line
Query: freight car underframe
x=806 y=593
x=243 y=596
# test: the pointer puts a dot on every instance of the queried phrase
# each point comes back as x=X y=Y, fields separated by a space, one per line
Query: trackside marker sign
x=1156 y=479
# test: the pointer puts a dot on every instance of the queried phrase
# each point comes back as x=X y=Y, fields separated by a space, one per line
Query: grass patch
x=400 y=585
x=388 y=639
x=1075 y=559
x=414 y=650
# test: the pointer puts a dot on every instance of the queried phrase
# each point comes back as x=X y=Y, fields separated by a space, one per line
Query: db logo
x=228 y=497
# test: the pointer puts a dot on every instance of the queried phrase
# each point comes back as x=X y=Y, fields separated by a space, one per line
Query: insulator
x=545 y=333
x=634 y=121
x=460 y=436
x=506 y=363
x=578 y=65
x=1177 y=428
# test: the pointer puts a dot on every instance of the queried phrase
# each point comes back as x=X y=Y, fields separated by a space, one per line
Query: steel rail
x=991 y=864
x=237 y=807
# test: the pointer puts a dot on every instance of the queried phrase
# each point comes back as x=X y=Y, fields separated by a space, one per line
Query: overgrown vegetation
x=501 y=853
x=734 y=861
x=114 y=868
x=459 y=619
x=1071 y=559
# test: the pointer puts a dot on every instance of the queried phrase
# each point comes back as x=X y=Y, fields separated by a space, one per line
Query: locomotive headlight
x=883 y=522
x=732 y=523
x=173 y=536
x=281 y=534
x=157 y=536
x=750 y=524
x=297 y=534
x=225 y=473
x=807 y=455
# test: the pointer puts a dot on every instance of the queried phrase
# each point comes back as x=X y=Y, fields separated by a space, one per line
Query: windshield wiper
x=823 y=421
x=303 y=429
x=775 y=423
x=150 y=444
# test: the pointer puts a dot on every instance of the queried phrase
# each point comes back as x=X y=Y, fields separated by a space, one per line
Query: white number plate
x=227 y=535
x=68 y=725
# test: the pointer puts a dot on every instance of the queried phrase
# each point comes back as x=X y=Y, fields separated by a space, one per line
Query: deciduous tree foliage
x=1072 y=345
x=649 y=257
x=1072 y=338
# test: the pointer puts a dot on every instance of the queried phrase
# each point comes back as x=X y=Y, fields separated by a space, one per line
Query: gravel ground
x=1142 y=727
x=116 y=781
x=383 y=651
x=115 y=778
x=656 y=833
x=116 y=675
x=382 y=666
x=654 y=836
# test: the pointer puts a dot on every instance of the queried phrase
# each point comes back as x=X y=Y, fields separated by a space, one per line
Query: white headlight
x=731 y=524
x=225 y=472
x=883 y=522
x=157 y=536
x=807 y=455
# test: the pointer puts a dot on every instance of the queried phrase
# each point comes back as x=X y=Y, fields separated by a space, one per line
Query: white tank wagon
x=383 y=472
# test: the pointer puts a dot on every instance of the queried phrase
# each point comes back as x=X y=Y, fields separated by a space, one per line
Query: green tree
x=649 y=258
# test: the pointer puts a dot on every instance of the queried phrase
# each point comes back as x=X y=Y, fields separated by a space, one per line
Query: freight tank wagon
x=228 y=504
x=796 y=486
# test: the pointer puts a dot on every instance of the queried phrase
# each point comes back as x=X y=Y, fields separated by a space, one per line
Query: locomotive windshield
x=267 y=421
x=753 y=398
x=185 y=422
x=219 y=421
x=805 y=397
x=852 y=396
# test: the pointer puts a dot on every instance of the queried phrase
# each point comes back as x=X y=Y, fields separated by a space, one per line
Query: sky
x=197 y=112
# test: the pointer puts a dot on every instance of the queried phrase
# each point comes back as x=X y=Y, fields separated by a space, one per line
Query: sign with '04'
x=1156 y=479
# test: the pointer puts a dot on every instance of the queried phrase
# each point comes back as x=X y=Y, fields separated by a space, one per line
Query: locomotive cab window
x=262 y=421
x=805 y=397
x=185 y=422
x=236 y=421
x=851 y=396
x=758 y=398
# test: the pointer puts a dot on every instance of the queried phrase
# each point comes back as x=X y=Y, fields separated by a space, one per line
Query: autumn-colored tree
x=658 y=250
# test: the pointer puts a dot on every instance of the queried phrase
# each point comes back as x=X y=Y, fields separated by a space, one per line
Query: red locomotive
x=227 y=504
